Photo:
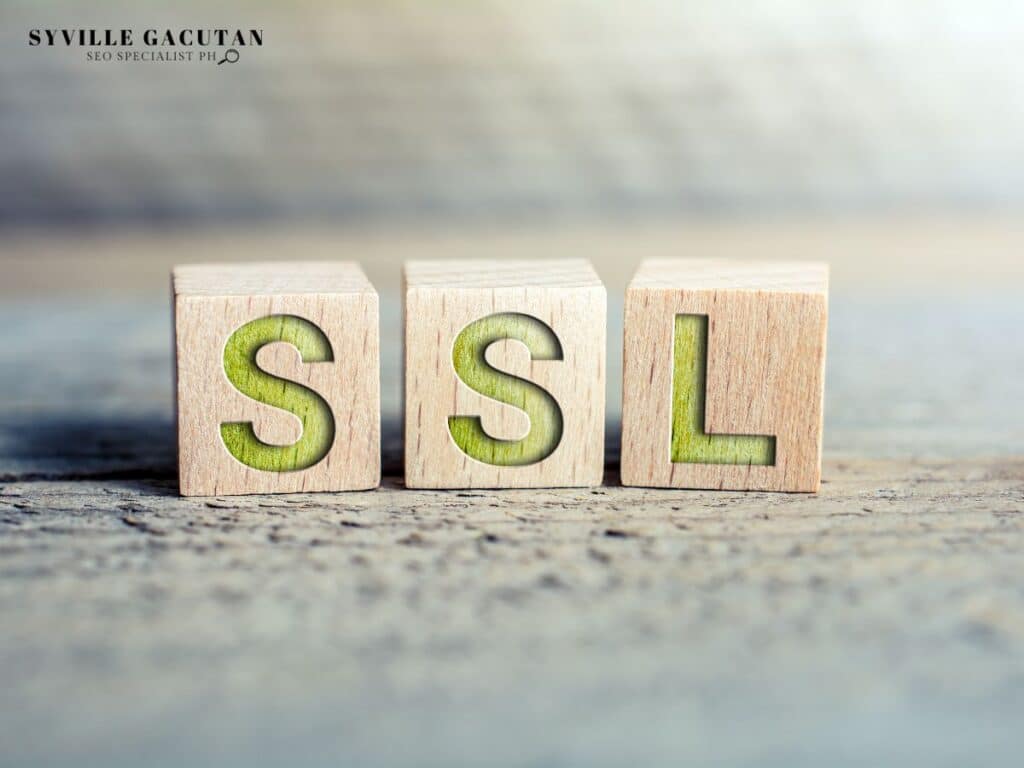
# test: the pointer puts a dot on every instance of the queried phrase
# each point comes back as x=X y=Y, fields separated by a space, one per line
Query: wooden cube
x=278 y=378
x=504 y=374
x=723 y=375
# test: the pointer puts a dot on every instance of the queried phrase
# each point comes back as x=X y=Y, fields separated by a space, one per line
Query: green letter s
x=470 y=366
x=313 y=411
x=690 y=443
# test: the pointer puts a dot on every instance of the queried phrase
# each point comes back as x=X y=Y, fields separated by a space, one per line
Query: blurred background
x=373 y=112
x=884 y=137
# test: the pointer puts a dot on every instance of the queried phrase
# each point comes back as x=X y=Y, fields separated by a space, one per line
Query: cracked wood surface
x=879 y=622
x=590 y=627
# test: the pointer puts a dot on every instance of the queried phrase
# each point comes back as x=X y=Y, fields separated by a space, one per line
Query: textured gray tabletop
x=879 y=622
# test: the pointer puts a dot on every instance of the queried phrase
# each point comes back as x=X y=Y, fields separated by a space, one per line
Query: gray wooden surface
x=880 y=622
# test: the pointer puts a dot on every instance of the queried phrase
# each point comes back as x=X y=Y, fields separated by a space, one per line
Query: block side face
x=728 y=274
x=434 y=391
x=764 y=376
x=452 y=274
x=348 y=382
x=270 y=278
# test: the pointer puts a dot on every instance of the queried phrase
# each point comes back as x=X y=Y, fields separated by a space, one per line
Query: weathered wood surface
x=615 y=626
x=879 y=622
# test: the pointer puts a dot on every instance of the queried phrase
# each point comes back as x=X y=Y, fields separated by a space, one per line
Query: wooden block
x=723 y=375
x=278 y=378
x=504 y=374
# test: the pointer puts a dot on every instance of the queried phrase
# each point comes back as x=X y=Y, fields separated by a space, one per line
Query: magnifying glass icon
x=230 y=57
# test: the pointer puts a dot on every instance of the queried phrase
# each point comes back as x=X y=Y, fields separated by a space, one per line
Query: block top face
x=729 y=275
x=270 y=278
x=472 y=274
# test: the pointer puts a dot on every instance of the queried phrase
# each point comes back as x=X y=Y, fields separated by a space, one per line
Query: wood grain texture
x=211 y=302
x=764 y=373
x=608 y=626
x=442 y=298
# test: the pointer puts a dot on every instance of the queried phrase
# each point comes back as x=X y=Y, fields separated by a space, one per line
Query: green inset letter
x=544 y=414
x=312 y=410
x=690 y=443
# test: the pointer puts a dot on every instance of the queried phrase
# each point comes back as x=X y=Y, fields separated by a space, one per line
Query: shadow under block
x=278 y=378
x=723 y=375
x=504 y=374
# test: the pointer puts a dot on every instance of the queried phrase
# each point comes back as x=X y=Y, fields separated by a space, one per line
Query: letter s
x=541 y=408
x=33 y=37
x=313 y=411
